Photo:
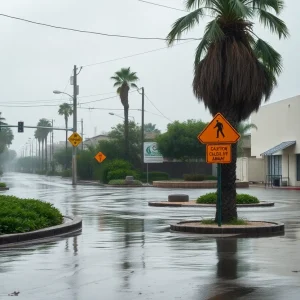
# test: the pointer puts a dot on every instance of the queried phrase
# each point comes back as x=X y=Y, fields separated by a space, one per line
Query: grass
x=2 y=185
x=211 y=198
x=24 y=215
x=237 y=222
x=123 y=182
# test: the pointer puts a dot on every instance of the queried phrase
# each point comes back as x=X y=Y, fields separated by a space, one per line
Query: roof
x=279 y=147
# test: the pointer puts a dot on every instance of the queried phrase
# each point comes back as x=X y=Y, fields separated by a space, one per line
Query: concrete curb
x=4 y=188
x=70 y=225
x=241 y=231
x=179 y=204
x=209 y=184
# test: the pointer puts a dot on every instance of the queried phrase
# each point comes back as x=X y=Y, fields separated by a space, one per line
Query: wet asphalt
x=126 y=250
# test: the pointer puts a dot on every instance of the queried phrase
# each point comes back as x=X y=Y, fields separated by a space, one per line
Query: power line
x=92 y=32
x=152 y=3
x=158 y=109
x=133 y=55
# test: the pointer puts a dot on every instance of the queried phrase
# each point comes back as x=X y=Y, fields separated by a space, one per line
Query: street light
x=74 y=97
x=113 y=114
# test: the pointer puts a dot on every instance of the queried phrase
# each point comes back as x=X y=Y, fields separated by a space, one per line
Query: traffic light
x=20 y=126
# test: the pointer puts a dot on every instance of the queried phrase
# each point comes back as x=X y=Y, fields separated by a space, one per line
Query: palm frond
x=201 y=50
x=273 y=23
x=184 y=24
x=118 y=83
x=240 y=8
x=268 y=55
x=276 y=5
x=133 y=85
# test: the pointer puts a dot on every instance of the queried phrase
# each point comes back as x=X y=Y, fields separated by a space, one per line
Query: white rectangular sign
x=151 y=153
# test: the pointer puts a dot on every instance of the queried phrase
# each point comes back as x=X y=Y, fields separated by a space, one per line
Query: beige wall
x=276 y=123
x=250 y=169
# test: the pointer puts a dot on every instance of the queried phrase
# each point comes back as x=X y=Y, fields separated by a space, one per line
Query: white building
x=277 y=140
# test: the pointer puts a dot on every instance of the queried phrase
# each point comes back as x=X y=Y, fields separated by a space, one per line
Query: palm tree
x=66 y=110
x=242 y=129
x=38 y=136
x=124 y=80
x=44 y=136
x=234 y=70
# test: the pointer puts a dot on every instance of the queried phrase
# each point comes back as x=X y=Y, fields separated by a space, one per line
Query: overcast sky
x=36 y=60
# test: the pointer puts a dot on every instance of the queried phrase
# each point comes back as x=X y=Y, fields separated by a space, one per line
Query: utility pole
x=82 y=133
x=74 y=161
x=143 y=121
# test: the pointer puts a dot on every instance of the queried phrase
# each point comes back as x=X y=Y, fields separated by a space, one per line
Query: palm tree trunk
x=126 y=110
x=39 y=155
x=42 y=155
x=228 y=182
x=46 y=152
x=66 y=154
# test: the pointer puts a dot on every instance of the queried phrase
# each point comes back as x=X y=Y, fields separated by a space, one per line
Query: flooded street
x=126 y=250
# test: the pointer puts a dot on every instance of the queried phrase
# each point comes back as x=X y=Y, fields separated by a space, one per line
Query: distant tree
x=180 y=141
x=66 y=110
x=243 y=128
x=6 y=135
x=151 y=128
x=124 y=80
x=44 y=136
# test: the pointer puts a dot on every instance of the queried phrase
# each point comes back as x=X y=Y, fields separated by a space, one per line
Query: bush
x=198 y=177
x=121 y=174
x=211 y=198
x=23 y=215
x=116 y=165
x=2 y=185
x=66 y=173
x=123 y=182
x=154 y=176
x=53 y=173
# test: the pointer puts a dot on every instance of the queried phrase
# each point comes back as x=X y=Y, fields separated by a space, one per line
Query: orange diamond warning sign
x=75 y=139
x=100 y=157
x=219 y=131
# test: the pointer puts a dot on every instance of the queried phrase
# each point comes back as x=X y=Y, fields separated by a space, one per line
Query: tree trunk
x=42 y=154
x=46 y=152
x=66 y=154
x=228 y=179
x=126 y=110
x=39 y=155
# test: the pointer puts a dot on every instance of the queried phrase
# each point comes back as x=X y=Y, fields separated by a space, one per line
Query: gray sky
x=36 y=60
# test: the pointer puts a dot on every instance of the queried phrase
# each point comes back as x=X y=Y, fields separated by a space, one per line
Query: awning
x=279 y=147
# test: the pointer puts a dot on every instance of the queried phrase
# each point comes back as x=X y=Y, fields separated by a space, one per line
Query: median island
x=24 y=215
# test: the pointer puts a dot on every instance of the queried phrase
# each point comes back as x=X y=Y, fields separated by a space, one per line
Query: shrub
x=123 y=182
x=116 y=165
x=2 y=185
x=66 y=173
x=155 y=176
x=210 y=177
x=193 y=177
x=23 y=215
x=211 y=198
x=121 y=174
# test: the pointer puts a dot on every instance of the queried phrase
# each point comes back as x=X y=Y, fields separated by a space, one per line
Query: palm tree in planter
x=234 y=70
x=66 y=110
x=124 y=80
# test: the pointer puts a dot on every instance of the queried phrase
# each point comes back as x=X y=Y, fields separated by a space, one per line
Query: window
x=275 y=165
x=298 y=166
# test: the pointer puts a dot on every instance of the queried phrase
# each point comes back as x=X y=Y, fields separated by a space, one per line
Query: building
x=93 y=141
x=277 y=141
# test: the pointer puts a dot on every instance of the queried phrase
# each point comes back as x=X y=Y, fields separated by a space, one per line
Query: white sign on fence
x=151 y=153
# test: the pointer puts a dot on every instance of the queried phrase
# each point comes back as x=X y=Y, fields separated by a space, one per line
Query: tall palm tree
x=124 y=80
x=66 y=110
x=38 y=136
x=234 y=70
x=242 y=129
x=44 y=136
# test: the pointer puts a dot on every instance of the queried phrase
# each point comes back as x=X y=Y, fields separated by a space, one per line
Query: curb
x=179 y=204
x=208 y=184
x=4 y=188
x=70 y=225
x=240 y=231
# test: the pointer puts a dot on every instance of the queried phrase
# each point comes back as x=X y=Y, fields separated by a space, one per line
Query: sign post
x=218 y=136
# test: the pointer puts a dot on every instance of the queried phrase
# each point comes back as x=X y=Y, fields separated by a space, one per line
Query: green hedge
x=121 y=174
x=211 y=198
x=154 y=176
x=2 y=185
x=117 y=169
x=122 y=182
x=198 y=177
x=23 y=215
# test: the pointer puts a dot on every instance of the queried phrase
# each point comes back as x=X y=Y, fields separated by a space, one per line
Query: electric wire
x=92 y=32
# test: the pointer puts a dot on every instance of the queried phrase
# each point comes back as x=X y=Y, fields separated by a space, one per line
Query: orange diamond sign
x=100 y=157
x=219 y=131
x=75 y=139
